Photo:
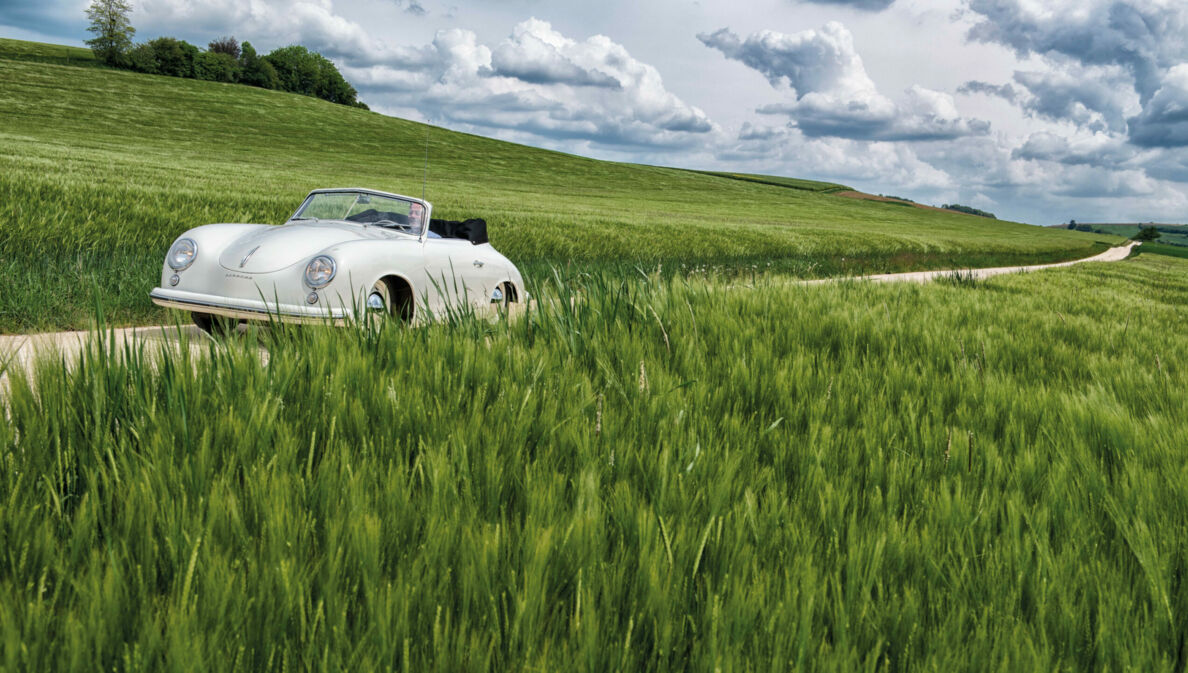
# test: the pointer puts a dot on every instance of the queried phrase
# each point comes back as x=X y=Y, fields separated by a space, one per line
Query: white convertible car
x=343 y=253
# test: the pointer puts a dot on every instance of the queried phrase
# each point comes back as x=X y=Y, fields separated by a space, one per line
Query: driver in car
x=415 y=212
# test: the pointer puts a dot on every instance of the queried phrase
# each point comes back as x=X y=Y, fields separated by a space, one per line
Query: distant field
x=1155 y=248
x=663 y=475
x=1175 y=234
x=100 y=169
x=16 y=50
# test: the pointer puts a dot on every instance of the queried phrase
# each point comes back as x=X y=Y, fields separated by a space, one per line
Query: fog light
x=174 y=279
x=312 y=298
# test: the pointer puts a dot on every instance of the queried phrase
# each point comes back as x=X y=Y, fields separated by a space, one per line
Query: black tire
x=214 y=325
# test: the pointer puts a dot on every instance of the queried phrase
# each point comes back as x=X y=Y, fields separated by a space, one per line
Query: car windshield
x=381 y=211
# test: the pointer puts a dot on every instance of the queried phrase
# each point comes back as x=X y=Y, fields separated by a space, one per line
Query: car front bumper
x=246 y=309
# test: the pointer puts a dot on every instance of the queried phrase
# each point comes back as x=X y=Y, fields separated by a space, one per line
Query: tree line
x=955 y=207
x=968 y=210
x=1145 y=233
x=294 y=69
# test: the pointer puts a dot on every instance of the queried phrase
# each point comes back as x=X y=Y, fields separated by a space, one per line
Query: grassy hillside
x=101 y=169
x=39 y=52
x=670 y=475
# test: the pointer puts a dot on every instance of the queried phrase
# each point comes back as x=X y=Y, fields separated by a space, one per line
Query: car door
x=458 y=273
x=487 y=270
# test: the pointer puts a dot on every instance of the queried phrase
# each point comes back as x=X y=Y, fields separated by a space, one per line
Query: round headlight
x=320 y=271
x=182 y=254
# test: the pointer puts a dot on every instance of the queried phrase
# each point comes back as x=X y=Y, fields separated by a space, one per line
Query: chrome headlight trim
x=182 y=254
x=320 y=271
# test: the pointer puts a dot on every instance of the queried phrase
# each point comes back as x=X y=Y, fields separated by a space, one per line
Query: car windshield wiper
x=294 y=219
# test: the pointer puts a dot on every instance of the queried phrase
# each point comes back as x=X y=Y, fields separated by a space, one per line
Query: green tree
x=311 y=74
x=255 y=70
x=113 y=32
x=957 y=207
x=174 y=57
x=225 y=45
x=296 y=68
x=216 y=67
x=141 y=58
x=1147 y=234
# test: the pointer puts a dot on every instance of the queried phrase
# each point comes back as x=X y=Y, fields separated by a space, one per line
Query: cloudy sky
x=1038 y=110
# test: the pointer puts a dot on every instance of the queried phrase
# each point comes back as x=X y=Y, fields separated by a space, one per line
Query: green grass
x=1180 y=239
x=1153 y=248
x=17 y=50
x=100 y=169
x=673 y=474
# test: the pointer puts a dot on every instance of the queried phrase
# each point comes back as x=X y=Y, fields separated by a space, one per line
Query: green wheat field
x=653 y=469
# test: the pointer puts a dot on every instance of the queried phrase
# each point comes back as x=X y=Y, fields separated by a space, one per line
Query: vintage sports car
x=344 y=254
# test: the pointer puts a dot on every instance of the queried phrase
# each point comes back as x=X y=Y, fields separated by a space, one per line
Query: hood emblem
x=248 y=256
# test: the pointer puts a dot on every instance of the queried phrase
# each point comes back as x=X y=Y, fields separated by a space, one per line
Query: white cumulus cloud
x=538 y=82
x=832 y=93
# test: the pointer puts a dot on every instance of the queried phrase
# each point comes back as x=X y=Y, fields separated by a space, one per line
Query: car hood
x=275 y=248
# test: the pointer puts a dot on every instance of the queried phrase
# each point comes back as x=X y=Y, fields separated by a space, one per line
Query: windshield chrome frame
x=374 y=192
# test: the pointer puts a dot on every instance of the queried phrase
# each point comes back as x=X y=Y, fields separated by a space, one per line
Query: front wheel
x=214 y=325
x=379 y=300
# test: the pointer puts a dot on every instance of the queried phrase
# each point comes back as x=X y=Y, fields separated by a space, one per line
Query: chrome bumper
x=245 y=309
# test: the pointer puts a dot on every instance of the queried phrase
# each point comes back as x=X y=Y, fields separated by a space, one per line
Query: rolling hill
x=100 y=169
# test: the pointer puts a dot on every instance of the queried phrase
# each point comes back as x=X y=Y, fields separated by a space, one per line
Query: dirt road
x=20 y=350
x=1112 y=255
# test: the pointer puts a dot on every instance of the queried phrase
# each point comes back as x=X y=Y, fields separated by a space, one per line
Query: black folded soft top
x=473 y=230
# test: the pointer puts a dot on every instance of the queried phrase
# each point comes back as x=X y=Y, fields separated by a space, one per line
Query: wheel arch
x=403 y=295
x=514 y=289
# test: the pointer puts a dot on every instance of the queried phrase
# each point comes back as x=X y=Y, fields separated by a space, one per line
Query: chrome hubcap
x=375 y=302
x=497 y=296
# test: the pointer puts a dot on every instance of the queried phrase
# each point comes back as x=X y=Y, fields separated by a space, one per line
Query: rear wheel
x=503 y=297
x=215 y=325
x=499 y=296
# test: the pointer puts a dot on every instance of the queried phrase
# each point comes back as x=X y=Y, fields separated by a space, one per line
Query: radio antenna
x=425 y=174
